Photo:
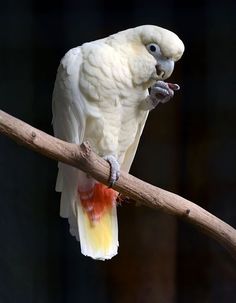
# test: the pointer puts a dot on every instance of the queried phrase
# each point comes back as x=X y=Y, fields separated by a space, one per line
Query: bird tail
x=91 y=211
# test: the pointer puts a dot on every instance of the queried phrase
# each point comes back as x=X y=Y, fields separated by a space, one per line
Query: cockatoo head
x=152 y=52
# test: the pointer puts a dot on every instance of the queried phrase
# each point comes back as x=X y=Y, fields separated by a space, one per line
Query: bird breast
x=107 y=84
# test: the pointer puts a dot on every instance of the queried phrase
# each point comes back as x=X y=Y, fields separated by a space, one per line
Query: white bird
x=101 y=96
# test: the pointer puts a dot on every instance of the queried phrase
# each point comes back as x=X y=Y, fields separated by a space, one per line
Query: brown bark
x=85 y=159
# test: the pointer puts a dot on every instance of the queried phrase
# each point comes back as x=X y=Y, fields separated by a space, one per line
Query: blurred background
x=188 y=147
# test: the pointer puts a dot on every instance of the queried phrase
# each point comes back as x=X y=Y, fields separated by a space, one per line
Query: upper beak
x=164 y=68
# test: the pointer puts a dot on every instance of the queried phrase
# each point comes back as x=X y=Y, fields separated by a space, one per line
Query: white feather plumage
x=97 y=96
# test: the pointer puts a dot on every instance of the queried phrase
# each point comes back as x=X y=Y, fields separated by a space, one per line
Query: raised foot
x=115 y=169
x=161 y=92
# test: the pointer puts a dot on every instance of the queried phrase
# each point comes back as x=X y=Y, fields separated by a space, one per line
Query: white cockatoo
x=101 y=96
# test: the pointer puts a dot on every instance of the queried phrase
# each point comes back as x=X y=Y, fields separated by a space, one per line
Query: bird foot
x=115 y=169
x=161 y=92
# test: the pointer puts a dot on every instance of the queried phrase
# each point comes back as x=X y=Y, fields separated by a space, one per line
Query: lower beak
x=160 y=73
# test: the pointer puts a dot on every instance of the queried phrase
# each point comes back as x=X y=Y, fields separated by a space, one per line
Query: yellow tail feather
x=98 y=234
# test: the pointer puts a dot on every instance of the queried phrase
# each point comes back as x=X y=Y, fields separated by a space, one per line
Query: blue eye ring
x=153 y=49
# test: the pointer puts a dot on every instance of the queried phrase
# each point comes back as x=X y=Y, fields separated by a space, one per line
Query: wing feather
x=68 y=104
x=69 y=118
x=131 y=151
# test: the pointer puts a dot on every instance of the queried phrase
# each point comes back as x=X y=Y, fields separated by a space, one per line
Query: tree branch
x=85 y=159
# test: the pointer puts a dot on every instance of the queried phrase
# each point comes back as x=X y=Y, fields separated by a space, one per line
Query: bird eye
x=153 y=48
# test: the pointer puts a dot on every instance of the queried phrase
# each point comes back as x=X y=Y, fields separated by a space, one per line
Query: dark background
x=188 y=147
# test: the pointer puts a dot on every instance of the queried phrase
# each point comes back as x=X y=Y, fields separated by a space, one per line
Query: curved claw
x=115 y=169
x=173 y=86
